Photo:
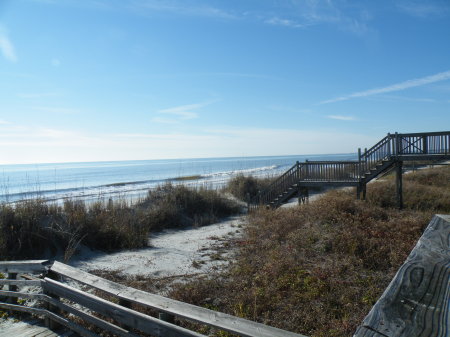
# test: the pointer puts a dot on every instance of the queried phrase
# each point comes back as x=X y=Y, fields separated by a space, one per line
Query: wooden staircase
x=389 y=153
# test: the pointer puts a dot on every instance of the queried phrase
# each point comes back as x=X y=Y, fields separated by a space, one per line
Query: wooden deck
x=388 y=154
x=61 y=303
x=31 y=329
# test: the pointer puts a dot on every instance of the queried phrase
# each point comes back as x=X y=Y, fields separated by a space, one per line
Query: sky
x=98 y=80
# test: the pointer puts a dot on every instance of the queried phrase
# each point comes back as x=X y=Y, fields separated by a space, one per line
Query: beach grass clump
x=37 y=228
x=245 y=187
x=317 y=269
x=424 y=190
x=179 y=206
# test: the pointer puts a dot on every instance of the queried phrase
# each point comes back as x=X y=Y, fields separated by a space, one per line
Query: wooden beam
x=30 y=266
x=191 y=312
x=416 y=301
x=128 y=317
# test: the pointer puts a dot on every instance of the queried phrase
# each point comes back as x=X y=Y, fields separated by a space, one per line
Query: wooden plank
x=30 y=266
x=121 y=314
x=416 y=302
x=42 y=312
x=20 y=282
x=191 y=312
x=19 y=294
x=88 y=317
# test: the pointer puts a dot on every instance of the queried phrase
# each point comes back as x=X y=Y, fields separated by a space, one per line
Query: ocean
x=92 y=181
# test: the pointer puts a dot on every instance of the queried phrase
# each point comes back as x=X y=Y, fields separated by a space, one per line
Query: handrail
x=121 y=297
x=371 y=163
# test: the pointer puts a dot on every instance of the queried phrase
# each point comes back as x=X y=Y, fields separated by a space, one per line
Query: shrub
x=317 y=269
x=243 y=187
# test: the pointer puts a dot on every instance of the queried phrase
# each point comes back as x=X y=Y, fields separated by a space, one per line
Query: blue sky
x=90 y=80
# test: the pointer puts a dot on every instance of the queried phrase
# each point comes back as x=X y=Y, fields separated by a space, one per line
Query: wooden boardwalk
x=61 y=303
x=31 y=329
x=388 y=154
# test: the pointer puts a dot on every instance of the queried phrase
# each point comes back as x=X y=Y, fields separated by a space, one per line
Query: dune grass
x=317 y=269
x=36 y=228
x=245 y=187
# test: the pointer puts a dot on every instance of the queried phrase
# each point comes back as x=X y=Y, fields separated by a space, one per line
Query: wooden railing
x=393 y=147
x=62 y=300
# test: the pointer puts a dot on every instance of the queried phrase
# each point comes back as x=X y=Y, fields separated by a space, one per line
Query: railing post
x=389 y=144
x=49 y=323
x=397 y=145
x=12 y=276
x=399 y=183
x=360 y=169
x=425 y=144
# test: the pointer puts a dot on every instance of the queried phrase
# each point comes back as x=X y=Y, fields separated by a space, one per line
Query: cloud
x=394 y=87
x=182 y=8
x=276 y=21
x=424 y=9
x=6 y=47
x=56 y=110
x=164 y=120
x=341 y=118
x=3 y=122
x=183 y=112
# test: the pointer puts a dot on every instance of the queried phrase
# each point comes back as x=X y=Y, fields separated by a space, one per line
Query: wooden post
x=126 y=304
x=399 y=183
x=397 y=145
x=49 y=323
x=389 y=144
x=358 y=191
x=12 y=300
x=359 y=163
x=364 y=191
x=164 y=316
x=425 y=144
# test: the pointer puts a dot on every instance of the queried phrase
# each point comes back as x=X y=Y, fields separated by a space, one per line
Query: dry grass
x=317 y=269
x=243 y=187
x=36 y=228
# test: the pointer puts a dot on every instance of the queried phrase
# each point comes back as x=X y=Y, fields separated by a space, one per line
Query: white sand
x=173 y=252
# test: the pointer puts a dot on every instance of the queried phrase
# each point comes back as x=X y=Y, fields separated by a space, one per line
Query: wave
x=244 y=171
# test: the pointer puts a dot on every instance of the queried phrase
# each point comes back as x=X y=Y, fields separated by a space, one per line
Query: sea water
x=132 y=179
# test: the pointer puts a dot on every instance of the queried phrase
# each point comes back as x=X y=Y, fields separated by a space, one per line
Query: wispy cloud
x=3 y=122
x=341 y=118
x=182 y=8
x=276 y=21
x=182 y=112
x=424 y=9
x=395 y=87
x=6 y=47
x=57 y=110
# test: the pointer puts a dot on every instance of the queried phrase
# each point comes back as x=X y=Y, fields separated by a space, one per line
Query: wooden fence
x=60 y=302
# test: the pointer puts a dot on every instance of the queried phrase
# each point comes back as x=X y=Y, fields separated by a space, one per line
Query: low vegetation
x=245 y=187
x=317 y=269
x=34 y=228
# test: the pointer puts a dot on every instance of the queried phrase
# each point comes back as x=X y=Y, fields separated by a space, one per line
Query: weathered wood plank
x=416 y=302
x=216 y=319
x=44 y=313
x=120 y=314
x=30 y=266
x=102 y=324
x=20 y=282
